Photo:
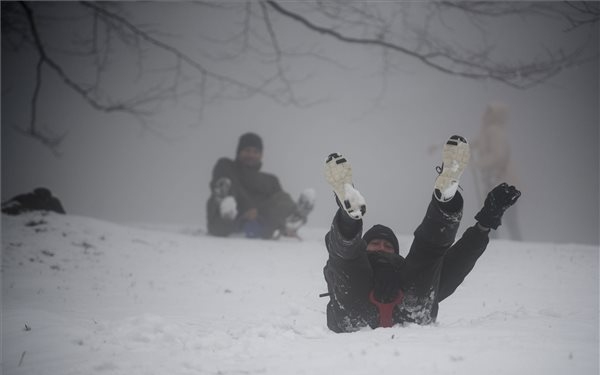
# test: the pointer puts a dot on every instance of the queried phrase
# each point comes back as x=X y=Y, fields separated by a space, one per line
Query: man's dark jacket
x=251 y=188
x=432 y=270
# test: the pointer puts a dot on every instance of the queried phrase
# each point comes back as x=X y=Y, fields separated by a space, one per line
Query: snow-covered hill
x=82 y=296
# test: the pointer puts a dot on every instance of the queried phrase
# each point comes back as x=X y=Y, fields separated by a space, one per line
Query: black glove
x=497 y=201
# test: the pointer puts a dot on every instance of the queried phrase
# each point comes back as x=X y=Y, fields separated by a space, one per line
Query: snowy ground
x=82 y=296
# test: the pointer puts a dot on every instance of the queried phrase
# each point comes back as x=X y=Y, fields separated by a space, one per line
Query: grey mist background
x=113 y=168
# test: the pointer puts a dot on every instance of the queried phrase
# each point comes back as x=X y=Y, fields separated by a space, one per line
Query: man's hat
x=249 y=140
x=382 y=232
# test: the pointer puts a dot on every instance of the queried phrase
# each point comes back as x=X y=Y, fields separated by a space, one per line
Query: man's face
x=250 y=156
x=380 y=245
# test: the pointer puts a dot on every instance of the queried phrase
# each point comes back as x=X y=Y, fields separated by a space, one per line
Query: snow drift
x=82 y=296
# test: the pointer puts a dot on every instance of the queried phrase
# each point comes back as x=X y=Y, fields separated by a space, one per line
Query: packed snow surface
x=82 y=296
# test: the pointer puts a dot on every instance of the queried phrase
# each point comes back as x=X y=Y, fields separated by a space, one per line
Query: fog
x=113 y=169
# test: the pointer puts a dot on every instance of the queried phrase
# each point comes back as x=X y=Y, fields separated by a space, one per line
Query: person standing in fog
x=246 y=200
x=492 y=159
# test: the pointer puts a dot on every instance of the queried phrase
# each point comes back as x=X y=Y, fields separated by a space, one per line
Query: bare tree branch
x=585 y=13
x=51 y=141
x=162 y=71
x=447 y=61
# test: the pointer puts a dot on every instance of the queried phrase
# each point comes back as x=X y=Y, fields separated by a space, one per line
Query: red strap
x=386 y=309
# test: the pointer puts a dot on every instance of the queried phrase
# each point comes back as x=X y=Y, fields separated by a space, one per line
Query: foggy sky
x=113 y=170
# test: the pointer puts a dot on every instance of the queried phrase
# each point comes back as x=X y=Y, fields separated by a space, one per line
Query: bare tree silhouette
x=167 y=70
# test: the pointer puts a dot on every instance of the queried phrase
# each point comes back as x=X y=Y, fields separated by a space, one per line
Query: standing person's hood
x=496 y=113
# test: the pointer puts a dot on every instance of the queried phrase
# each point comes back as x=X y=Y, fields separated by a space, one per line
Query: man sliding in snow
x=369 y=283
